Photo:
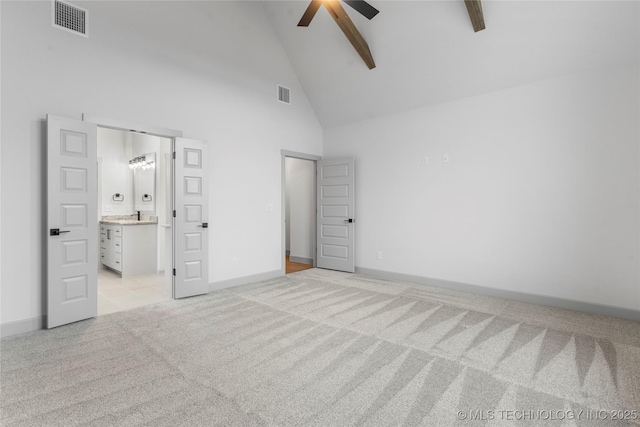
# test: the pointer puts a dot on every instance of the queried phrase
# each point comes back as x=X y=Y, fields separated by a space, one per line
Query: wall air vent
x=70 y=18
x=284 y=94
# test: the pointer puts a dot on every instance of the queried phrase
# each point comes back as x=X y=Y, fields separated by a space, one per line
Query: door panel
x=336 y=213
x=72 y=249
x=191 y=257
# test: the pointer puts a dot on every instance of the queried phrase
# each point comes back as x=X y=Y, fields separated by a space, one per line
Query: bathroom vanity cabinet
x=130 y=249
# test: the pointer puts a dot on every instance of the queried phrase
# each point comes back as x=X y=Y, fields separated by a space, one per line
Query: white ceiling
x=426 y=51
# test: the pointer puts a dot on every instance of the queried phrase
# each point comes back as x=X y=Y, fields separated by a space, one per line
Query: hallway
x=294 y=267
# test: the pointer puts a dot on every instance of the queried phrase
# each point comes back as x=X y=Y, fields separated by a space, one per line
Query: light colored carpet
x=322 y=348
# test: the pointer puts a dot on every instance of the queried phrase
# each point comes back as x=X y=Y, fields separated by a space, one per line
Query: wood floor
x=293 y=267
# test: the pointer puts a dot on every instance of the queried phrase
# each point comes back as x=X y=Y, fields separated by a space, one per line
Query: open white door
x=72 y=226
x=190 y=222
x=336 y=213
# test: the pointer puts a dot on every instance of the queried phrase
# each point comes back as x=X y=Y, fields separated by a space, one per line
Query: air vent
x=69 y=18
x=284 y=94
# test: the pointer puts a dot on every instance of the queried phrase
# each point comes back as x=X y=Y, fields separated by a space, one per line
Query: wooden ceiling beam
x=349 y=29
x=474 y=7
x=310 y=13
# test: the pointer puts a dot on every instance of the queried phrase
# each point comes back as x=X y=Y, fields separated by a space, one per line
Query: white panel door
x=72 y=225
x=191 y=239
x=336 y=214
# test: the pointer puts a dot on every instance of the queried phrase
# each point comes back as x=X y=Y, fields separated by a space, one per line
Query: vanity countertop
x=129 y=220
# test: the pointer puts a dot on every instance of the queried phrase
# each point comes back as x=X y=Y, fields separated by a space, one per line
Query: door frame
x=302 y=156
x=107 y=122
x=127 y=126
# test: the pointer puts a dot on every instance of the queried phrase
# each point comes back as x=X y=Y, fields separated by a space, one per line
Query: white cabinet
x=130 y=250
x=111 y=246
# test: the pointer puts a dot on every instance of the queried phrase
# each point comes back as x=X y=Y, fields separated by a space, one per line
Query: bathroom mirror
x=144 y=184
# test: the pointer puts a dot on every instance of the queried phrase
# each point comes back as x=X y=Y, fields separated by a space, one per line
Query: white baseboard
x=21 y=326
x=245 y=280
x=301 y=260
x=567 y=304
x=35 y=323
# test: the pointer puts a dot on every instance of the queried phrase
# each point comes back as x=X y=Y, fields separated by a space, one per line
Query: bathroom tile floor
x=118 y=294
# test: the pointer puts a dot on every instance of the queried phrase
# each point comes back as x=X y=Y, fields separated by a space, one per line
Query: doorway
x=134 y=211
x=334 y=212
x=299 y=211
x=73 y=247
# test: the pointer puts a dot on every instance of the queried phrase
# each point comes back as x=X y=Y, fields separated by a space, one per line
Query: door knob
x=204 y=225
x=350 y=220
x=57 y=232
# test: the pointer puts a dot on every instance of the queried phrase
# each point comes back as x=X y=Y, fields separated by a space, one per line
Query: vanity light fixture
x=141 y=162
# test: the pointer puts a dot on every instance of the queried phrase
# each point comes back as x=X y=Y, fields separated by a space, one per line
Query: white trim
x=566 y=304
x=239 y=281
x=108 y=122
x=22 y=326
x=36 y=323
x=297 y=155
x=301 y=260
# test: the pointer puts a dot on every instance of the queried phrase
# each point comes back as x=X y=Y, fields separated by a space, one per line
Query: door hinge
x=174 y=271
x=174 y=214
x=174 y=155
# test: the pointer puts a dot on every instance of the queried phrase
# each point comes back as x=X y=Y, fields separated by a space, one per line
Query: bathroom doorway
x=74 y=246
x=134 y=212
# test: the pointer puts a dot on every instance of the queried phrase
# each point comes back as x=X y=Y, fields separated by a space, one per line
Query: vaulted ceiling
x=426 y=52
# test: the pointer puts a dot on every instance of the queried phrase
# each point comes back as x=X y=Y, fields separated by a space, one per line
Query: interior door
x=191 y=239
x=336 y=214
x=72 y=225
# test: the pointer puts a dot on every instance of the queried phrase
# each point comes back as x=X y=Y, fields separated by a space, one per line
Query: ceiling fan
x=337 y=12
x=345 y=23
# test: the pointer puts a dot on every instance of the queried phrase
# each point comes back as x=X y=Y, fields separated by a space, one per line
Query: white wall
x=540 y=195
x=300 y=200
x=209 y=69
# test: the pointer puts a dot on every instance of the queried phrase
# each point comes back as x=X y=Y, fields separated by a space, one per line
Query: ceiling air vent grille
x=284 y=94
x=70 y=18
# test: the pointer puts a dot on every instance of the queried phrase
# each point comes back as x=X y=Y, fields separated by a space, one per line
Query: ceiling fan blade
x=310 y=13
x=364 y=8
x=474 y=7
x=345 y=23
